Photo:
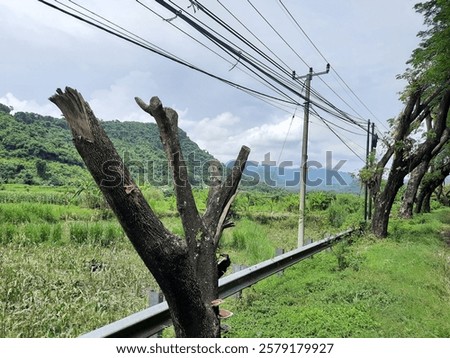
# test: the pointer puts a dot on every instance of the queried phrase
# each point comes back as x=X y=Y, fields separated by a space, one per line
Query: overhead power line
x=294 y=20
x=338 y=136
x=335 y=111
x=268 y=69
x=155 y=49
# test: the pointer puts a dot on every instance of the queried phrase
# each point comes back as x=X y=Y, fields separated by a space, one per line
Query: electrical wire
x=336 y=134
x=259 y=70
x=156 y=50
x=325 y=105
x=285 y=138
x=278 y=34
x=201 y=43
x=338 y=113
x=325 y=59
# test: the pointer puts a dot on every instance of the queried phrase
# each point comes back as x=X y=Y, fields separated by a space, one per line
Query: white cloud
x=19 y=105
x=117 y=101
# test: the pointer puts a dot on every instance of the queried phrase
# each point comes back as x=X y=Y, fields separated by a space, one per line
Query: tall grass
x=396 y=287
x=55 y=293
x=96 y=233
x=251 y=240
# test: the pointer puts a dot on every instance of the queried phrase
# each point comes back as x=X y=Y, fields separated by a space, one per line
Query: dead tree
x=185 y=268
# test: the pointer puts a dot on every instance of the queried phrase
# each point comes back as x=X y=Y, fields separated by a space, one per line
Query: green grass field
x=397 y=287
x=66 y=267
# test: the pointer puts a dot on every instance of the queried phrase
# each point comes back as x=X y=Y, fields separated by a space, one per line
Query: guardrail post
x=154 y=298
x=278 y=252
x=236 y=268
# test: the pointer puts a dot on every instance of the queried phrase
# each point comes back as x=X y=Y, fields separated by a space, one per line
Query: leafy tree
x=427 y=95
x=5 y=109
x=41 y=168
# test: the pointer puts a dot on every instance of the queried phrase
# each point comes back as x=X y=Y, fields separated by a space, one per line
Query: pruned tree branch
x=167 y=121
x=220 y=199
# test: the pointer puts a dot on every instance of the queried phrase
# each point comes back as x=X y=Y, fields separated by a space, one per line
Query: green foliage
x=373 y=288
x=346 y=256
x=54 y=292
x=38 y=149
x=5 y=109
x=430 y=62
x=345 y=211
x=104 y=234
x=320 y=200
x=66 y=268
x=336 y=215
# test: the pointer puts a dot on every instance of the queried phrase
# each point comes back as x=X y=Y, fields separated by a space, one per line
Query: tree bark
x=442 y=195
x=410 y=195
x=169 y=258
x=384 y=200
x=429 y=186
x=202 y=233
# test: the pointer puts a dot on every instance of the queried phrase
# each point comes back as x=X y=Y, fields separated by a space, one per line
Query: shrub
x=336 y=215
x=320 y=200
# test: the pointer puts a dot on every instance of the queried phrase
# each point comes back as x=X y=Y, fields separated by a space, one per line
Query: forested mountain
x=37 y=149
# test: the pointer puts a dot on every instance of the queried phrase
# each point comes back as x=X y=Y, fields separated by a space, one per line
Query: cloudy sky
x=366 y=42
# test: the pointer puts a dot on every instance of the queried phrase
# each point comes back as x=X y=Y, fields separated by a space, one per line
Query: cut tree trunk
x=171 y=260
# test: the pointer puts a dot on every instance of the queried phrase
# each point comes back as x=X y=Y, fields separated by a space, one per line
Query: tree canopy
x=430 y=62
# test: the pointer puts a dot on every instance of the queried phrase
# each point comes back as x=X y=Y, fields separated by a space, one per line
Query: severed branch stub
x=167 y=121
x=221 y=195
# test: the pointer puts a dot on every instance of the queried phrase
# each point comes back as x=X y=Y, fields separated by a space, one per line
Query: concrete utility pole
x=304 y=159
x=366 y=187
x=373 y=145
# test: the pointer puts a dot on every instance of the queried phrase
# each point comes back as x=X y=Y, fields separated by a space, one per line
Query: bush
x=336 y=215
x=320 y=200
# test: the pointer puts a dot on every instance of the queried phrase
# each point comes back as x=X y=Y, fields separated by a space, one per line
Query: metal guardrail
x=150 y=321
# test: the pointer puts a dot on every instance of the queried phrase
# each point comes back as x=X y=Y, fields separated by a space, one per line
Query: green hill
x=37 y=149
